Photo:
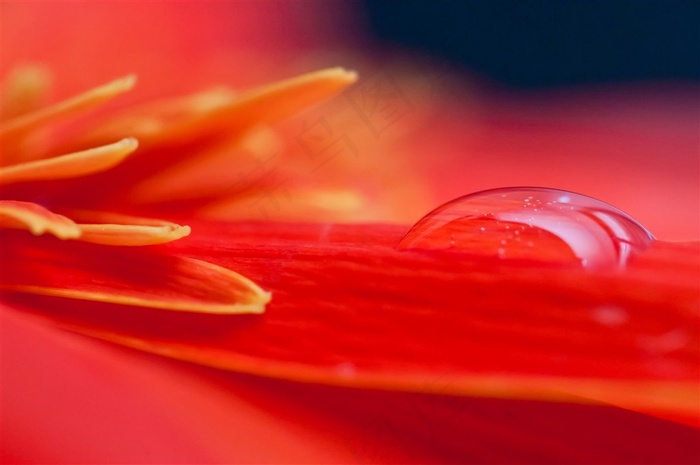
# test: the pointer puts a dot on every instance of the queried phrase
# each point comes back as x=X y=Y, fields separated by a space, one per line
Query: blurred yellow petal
x=218 y=170
x=219 y=110
x=25 y=90
x=13 y=131
x=71 y=165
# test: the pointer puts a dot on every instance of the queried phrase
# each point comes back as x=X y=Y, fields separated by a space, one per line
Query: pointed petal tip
x=128 y=146
x=129 y=278
x=348 y=75
x=127 y=82
x=337 y=77
x=183 y=231
x=117 y=86
x=245 y=296
x=253 y=308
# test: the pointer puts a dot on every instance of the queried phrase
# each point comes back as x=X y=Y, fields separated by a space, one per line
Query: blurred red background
x=636 y=146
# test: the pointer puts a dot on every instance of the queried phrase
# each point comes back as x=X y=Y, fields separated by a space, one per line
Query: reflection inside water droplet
x=532 y=223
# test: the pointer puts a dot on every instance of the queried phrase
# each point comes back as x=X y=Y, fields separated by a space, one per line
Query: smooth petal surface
x=147 y=409
x=283 y=99
x=98 y=403
x=124 y=276
x=287 y=201
x=36 y=219
x=215 y=171
x=127 y=234
x=351 y=310
x=222 y=110
x=71 y=165
x=125 y=230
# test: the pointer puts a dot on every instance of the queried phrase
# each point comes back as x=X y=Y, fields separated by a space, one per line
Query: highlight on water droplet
x=532 y=223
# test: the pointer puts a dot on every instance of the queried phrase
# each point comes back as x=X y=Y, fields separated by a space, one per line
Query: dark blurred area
x=542 y=43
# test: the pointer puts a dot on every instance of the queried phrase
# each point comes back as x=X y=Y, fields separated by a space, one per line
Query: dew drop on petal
x=552 y=226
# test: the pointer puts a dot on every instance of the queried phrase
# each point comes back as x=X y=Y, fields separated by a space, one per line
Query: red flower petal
x=69 y=399
x=140 y=404
x=124 y=276
x=221 y=110
x=351 y=310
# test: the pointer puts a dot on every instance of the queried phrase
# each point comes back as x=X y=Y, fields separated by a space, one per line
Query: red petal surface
x=155 y=410
x=350 y=310
x=69 y=399
x=123 y=276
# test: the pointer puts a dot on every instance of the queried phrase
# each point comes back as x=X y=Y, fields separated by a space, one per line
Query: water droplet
x=554 y=225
